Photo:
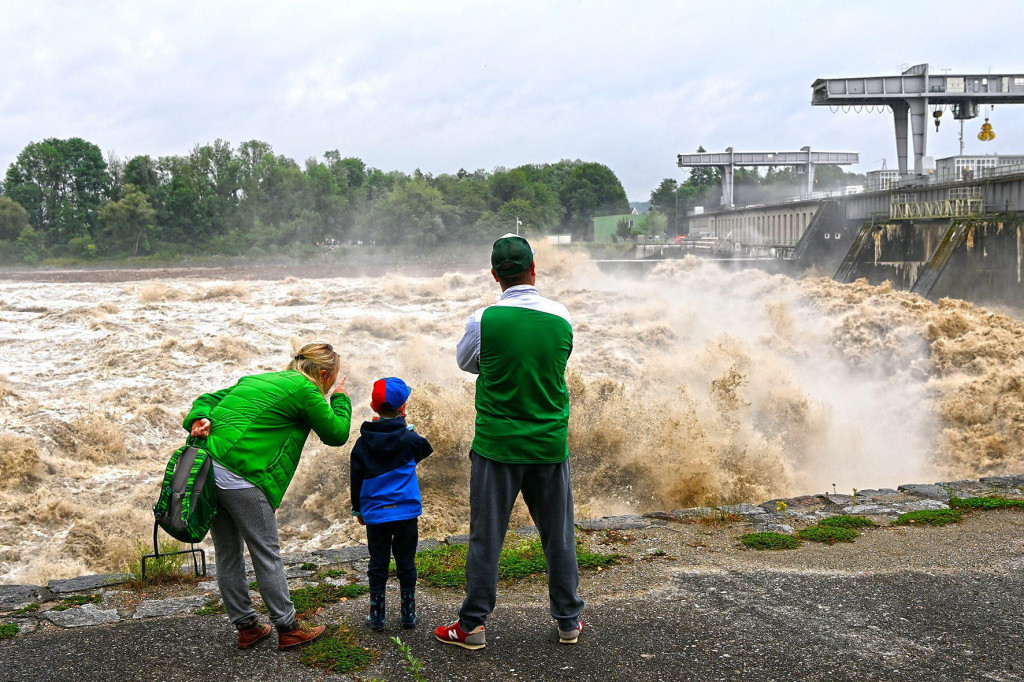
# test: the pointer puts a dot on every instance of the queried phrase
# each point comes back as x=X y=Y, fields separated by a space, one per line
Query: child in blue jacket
x=386 y=496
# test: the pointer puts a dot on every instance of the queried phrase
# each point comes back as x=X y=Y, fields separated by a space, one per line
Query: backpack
x=188 y=495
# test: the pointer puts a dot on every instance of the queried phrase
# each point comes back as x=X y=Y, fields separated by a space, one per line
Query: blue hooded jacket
x=383 y=471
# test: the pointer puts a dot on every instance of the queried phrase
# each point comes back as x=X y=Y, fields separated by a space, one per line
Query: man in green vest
x=518 y=347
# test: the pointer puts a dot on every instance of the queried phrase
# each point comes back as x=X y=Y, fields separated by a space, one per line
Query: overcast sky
x=444 y=85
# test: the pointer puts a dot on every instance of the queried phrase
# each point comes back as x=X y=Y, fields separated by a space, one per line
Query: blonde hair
x=312 y=359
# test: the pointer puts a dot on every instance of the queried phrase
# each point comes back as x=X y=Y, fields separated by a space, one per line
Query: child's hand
x=360 y=520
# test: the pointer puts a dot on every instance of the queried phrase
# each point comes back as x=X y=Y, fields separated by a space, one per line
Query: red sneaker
x=454 y=634
x=570 y=636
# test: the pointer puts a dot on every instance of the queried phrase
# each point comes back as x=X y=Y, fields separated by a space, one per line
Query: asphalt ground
x=708 y=625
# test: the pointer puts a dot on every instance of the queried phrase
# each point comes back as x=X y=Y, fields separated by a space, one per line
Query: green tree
x=129 y=222
x=61 y=183
x=13 y=219
x=665 y=199
x=411 y=213
x=591 y=190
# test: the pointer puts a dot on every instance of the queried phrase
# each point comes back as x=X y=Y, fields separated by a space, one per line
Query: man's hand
x=201 y=428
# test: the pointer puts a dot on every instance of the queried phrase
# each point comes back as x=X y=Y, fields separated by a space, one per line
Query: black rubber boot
x=409 y=616
x=376 y=618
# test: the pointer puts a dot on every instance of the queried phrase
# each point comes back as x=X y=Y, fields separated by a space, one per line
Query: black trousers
x=399 y=538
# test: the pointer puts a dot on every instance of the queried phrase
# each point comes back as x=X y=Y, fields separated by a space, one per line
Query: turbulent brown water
x=692 y=386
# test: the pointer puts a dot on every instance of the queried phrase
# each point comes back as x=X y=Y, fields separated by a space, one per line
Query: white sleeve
x=468 y=351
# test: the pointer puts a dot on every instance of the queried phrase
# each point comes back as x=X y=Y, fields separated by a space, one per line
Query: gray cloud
x=440 y=86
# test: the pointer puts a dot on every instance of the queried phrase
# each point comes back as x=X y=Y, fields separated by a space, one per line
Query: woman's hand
x=201 y=428
x=338 y=387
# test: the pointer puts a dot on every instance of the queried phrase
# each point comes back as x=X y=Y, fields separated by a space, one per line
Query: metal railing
x=941 y=208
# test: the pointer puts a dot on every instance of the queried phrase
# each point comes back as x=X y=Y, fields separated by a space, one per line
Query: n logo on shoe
x=452 y=634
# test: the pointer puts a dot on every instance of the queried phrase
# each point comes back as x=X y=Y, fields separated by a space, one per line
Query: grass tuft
x=770 y=541
x=31 y=608
x=164 y=570
x=338 y=652
x=985 y=503
x=828 y=534
x=844 y=521
x=254 y=586
x=308 y=566
x=9 y=631
x=929 y=517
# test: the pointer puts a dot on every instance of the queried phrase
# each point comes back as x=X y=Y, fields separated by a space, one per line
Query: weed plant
x=308 y=566
x=9 y=631
x=165 y=569
x=31 y=608
x=337 y=652
x=413 y=665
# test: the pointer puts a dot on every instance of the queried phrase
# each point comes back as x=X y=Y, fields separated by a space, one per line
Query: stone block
x=174 y=606
x=527 y=531
x=774 y=528
x=82 y=616
x=13 y=597
x=427 y=544
x=928 y=490
x=457 y=540
x=1014 y=481
x=345 y=555
x=870 y=510
x=87 y=583
x=682 y=514
x=743 y=509
x=624 y=522
x=920 y=505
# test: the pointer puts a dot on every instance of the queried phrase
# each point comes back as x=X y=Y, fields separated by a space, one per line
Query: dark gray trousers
x=547 y=491
x=245 y=516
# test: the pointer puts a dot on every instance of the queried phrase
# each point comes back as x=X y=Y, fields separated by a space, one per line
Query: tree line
x=61 y=197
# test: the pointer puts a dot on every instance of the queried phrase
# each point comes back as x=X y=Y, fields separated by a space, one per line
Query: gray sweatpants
x=246 y=516
x=547 y=491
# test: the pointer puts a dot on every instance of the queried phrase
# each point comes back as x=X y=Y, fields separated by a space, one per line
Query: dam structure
x=950 y=234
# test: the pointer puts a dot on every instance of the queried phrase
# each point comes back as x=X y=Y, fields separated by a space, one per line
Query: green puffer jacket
x=261 y=424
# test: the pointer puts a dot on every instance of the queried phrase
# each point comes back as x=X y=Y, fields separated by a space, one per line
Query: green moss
x=334 y=573
x=985 y=503
x=31 y=608
x=77 y=600
x=844 y=521
x=312 y=597
x=9 y=631
x=828 y=534
x=769 y=541
x=929 y=517
x=211 y=608
x=338 y=652
x=308 y=566
x=254 y=586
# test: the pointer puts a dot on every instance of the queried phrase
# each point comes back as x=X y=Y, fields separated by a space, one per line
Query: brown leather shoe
x=249 y=636
x=300 y=635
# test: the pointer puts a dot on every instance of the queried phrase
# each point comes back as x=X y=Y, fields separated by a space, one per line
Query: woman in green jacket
x=255 y=432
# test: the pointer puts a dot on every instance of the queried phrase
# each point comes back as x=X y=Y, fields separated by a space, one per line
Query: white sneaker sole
x=464 y=645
